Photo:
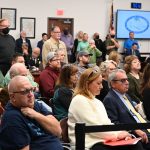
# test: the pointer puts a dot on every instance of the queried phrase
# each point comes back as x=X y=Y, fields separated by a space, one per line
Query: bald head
x=23 y=34
x=18 y=69
x=15 y=81
x=21 y=92
x=36 y=52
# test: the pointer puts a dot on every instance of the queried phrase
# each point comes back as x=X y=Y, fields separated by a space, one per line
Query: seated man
x=34 y=60
x=49 y=76
x=18 y=58
x=119 y=106
x=15 y=70
x=32 y=126
x=133 y=51
x=83 y=61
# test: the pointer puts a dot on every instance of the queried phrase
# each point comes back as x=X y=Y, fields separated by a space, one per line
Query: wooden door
x=62 y=23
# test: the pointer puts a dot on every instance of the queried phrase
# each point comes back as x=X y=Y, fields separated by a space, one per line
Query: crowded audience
x=67 y=77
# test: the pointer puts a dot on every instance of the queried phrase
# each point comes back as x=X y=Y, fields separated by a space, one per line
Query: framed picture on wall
x=28 y=25
x=10 y=14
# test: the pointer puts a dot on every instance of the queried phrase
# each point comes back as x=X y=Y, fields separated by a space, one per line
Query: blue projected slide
x=136 y=21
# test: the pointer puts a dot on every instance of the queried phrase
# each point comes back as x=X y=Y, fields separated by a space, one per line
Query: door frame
x=63 y=19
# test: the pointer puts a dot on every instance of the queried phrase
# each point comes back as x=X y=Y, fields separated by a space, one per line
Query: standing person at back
x=76 y=42
x=41 y=42
x=67 y=38
x=100 y=45
x=83 y=44
x=128 y=43
x=22 y=40
x=111 y=44
x=7 y=46
x=52 y=44
x=96 y=53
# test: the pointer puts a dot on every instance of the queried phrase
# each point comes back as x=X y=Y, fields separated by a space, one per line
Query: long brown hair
x=66 y=72
x=145 y=78
x=88 y=76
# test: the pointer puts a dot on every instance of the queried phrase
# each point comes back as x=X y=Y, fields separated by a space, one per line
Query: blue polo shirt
x=128 y=43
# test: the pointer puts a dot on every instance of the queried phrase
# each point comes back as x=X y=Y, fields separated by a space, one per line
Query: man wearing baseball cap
x=49 y=75
x=7 y=46
x=83 y=59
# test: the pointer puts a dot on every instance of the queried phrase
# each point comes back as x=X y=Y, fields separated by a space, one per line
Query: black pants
x=100 y=146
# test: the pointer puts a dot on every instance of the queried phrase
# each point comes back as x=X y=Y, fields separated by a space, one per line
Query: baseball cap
x=4 y=23
x=51 y=55
x=84 y=53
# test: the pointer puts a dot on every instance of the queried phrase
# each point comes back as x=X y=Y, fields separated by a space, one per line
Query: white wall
x=89 y=15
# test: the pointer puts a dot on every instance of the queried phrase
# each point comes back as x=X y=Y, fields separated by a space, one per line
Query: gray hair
x=15 y=69
x=113 y=74
x=105 y=65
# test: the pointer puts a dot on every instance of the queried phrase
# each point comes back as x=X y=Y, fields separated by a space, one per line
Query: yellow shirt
x=51 y=45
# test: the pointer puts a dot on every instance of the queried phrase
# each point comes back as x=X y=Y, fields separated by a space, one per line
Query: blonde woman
x=86 y=108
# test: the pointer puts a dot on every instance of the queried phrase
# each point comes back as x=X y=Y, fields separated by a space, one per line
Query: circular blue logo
x=137 y=24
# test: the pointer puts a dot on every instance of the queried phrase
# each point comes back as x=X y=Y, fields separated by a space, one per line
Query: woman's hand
x=124 y=135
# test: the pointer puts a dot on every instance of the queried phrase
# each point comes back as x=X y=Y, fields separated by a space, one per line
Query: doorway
x=62 y=23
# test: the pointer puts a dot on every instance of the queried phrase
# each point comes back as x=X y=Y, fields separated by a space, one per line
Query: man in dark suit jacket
x=133 y=51
x=41 y=42
x=22 y=40
x=117 y=107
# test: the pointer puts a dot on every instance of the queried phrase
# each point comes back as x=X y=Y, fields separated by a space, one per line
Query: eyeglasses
x=121 y=80
x=26 y=91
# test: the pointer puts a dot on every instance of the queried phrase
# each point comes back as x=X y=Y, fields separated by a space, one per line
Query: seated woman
x=145 y=90
x=132 y=67
x=86 y=108
x=116 y=57
x=106 y=68
x=64 y=90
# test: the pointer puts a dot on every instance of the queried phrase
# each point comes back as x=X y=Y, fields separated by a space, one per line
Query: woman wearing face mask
x=7 y=46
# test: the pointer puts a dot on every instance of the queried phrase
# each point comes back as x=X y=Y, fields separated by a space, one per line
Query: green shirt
x=7 y=80
x=1 y=79
x=96 y=53
x=82 y=46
